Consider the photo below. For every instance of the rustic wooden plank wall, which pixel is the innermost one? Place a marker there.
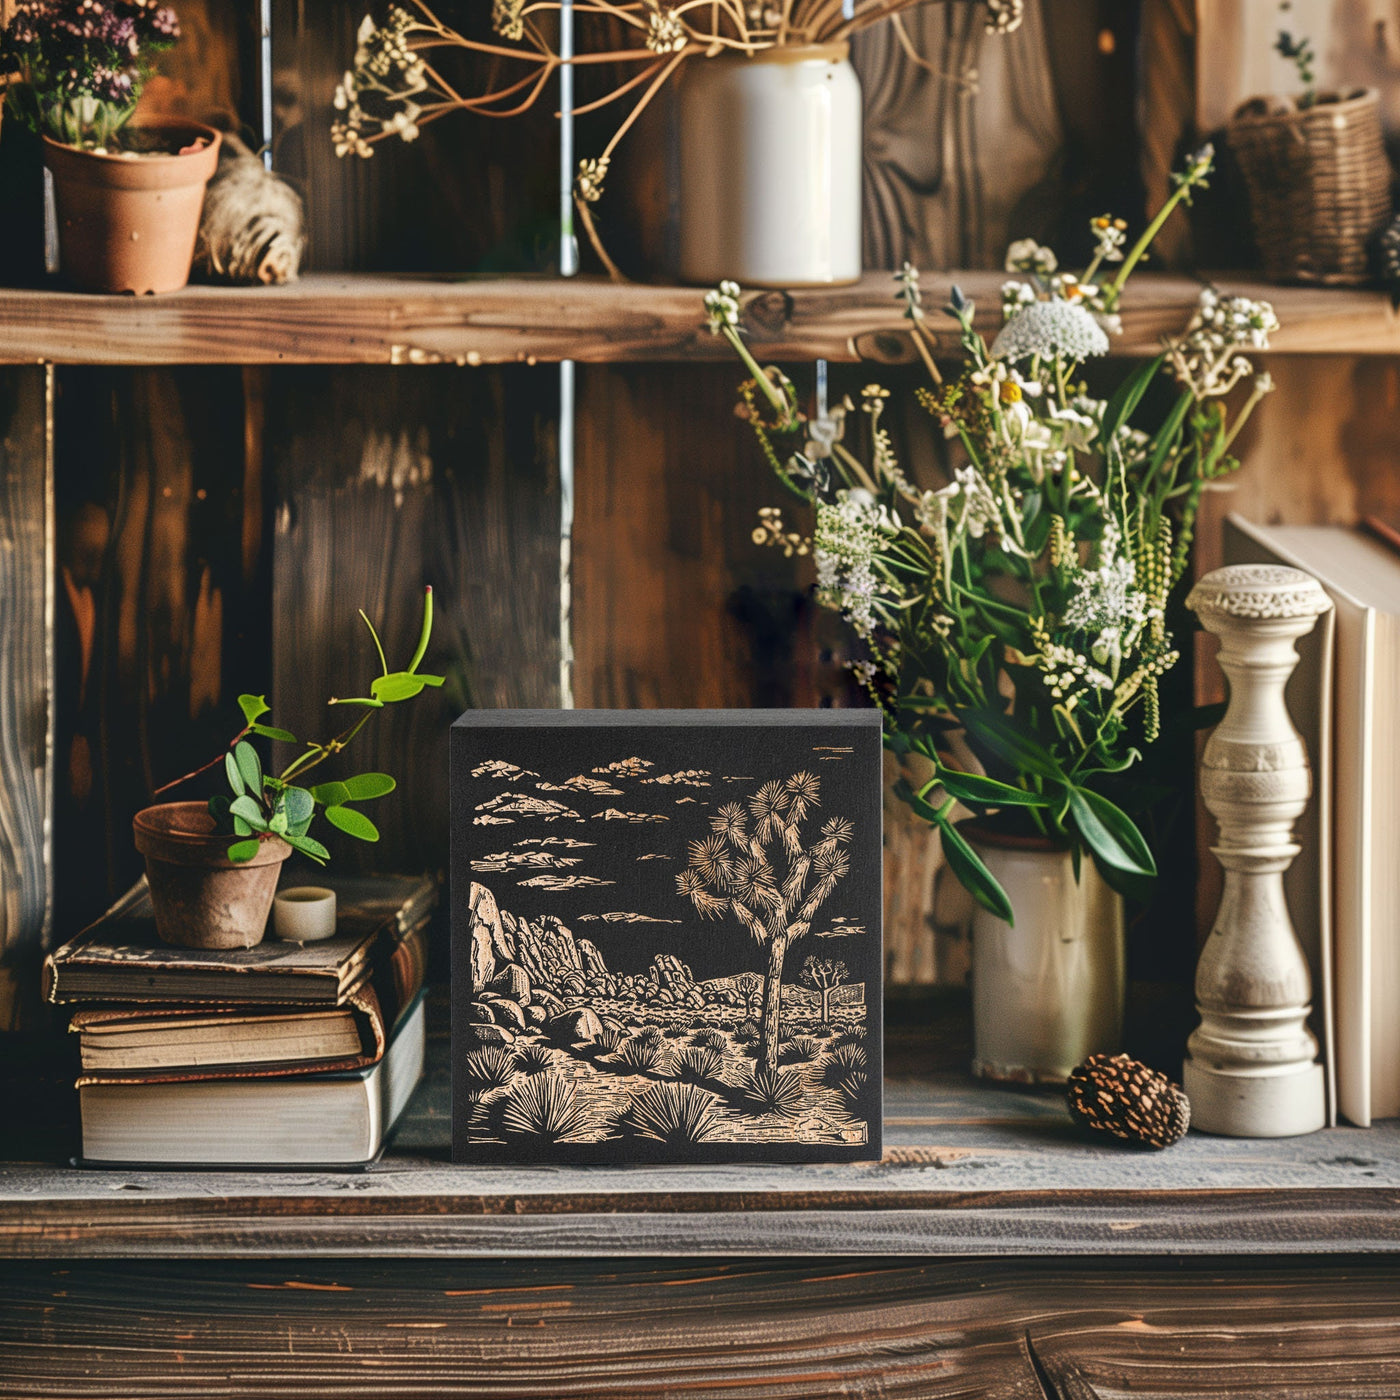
(995, 1329)
(387, 480)
(26, 684)
(163, 572)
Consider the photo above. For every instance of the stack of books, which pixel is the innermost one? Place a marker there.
(286, 1054)
(1344, 887)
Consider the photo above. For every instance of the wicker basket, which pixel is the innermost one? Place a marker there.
(1319, 184)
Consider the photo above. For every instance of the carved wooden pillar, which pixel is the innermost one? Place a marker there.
(1252, 1066)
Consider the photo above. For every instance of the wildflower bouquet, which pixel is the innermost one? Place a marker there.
(80, 64)
(1015, 617)
(395, 87)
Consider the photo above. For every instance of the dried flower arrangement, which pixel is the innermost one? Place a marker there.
(394, 89)
(80, 65)
(1015, 618)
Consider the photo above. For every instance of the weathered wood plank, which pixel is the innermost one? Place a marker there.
(387, 482)
(922, 1332)
(26, 686)
(163, 569)
(969, 1169)
(374, 319)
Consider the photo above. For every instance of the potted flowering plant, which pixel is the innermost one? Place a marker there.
(128, 195)
(212, 866)
(1014, 618)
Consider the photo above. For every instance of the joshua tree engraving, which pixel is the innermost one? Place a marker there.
(824, 975)
(754, 865)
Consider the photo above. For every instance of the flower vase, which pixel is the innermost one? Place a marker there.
(1047, 991)
(770, 168)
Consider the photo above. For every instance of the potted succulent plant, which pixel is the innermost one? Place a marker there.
(1315, 166)
(212, 866)
(128, 194)
(1014, 617)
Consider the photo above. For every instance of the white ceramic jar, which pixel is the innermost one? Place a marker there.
(770, 168)
(1048, 991)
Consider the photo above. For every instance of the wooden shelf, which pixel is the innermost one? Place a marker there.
(374, 319)
(968, 1170)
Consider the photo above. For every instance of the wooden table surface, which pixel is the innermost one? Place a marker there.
(994, 1252)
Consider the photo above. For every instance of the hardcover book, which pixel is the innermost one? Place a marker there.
(120, 959)
(666, 935)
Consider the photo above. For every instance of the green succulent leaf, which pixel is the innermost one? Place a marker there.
(309, 847)
(363, 787)
(249, 765)
(266, 731)
(278, 825)
(245, 808)
(235, 778)
(398, 685)
(241, 828)
(218, 808)
(352, 823)
(1109, 833)
(253, 707)
(330, 794)
(298, 804)
(242, 851)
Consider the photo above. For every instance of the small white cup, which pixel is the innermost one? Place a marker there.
(304, 914)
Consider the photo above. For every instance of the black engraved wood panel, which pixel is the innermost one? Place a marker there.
(666, 935)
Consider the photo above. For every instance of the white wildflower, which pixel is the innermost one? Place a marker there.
(1109, 236)
(1015, 295)
(1209, 358)
(1048, 329)
(1026, 255)
(722, 307)
(1005, 16)
(849, 536)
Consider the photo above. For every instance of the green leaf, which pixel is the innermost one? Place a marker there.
(249, 765)
(249, 810)
(378, 645)
(425, 632)
(973, 787)
(298, 828)
(253, 706)
(218, 809)
(241, 828)
(1123, 404)
(973, 875)
(365, 786)
(242, 851)
(1004, 739)
(235, 778)
(1109, 833)
(309, 847)
(359, 700)
(266, 731)
(331, 794)
(352, 823)
(278, 824)
(401, 685)
(298, 804)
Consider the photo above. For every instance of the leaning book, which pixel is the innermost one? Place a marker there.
(320, 1120)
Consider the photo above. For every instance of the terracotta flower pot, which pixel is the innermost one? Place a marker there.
(201, 898)
(127, 223)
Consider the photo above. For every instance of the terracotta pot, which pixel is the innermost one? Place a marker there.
(201, 898)
(1047, 992)
(128, 223)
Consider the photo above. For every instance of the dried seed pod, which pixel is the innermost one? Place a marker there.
(1118, 1095)
(251, 229)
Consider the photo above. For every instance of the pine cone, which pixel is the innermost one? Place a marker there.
(1113, 1094)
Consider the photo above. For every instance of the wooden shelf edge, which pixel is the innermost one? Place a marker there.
(1190, 1223)
(393, 320)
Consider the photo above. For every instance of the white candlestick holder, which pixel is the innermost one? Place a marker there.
(1252, 1067)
